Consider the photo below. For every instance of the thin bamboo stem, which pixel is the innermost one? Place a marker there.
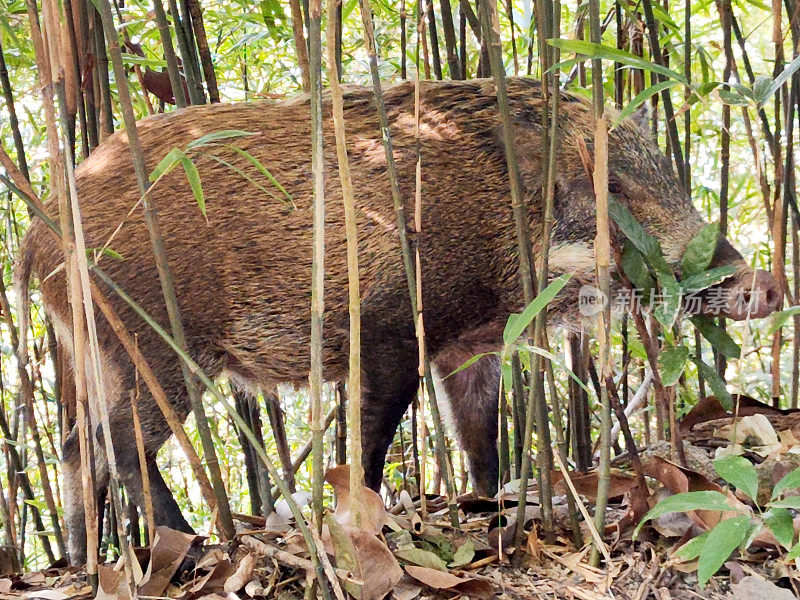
(354, 293)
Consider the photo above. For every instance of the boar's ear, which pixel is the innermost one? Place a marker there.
(641, 116)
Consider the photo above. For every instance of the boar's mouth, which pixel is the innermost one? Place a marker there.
(747, 294)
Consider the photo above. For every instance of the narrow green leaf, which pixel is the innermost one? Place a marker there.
(215, 136)
(779, 319)
(193, 175)
(469, 362)
(781, 79)
(666, 311)
(517, 323)
(641, 98)
(167, 164)
(739, 472)
(257, 164)
(557, 361)
(732, 98)
(780, 523)
(718, 337)
(715, 383)
(700, 251)
(706, 500)
(790, 481)
(593, 50)
(721, 542)
(671, 363)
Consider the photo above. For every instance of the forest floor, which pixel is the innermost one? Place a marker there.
(411, 551)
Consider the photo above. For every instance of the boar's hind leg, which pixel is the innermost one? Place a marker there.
(470, 397)
(74, 513)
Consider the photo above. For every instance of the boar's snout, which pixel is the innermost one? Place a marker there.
(754, 294)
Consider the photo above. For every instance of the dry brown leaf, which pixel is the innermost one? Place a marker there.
(678, 480)
(111, 584)
(365, 556)
(373, 515)
(586, 483)
(439, 580)
(756, 588)
(709, 409)
(406, 589)
(169, 549)
(242, 575)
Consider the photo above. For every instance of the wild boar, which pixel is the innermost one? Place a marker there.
(242, 275)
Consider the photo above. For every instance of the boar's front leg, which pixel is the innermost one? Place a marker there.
(390, 385)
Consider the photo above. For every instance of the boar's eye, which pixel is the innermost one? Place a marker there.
(614, 186)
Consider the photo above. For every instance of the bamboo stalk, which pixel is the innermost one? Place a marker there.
(193, 85)
(139, 436)
(354, 293)
(315, 376)
(13, 122)
(434, 35)
(165, 276)
(169, 55)
(300, 43)
(391, 170)
(669, 113)
(26, 394)
(206, 61)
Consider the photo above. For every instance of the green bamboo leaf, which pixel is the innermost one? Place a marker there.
(193, 175)
(592, 50)
(648, 245)
(257, 164)
(671, 363)
(556, 361)
(779, 319)
(715, 383)
(733, 98)
(740, 473)
(469, 362)
(517, 323)
(780, 80)
(790, 481)
(700, 251)
(641, 98)
(167, 163)
(215, 136)
(781, 524)
(717, 336)
(721, 542)
(686, 501)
